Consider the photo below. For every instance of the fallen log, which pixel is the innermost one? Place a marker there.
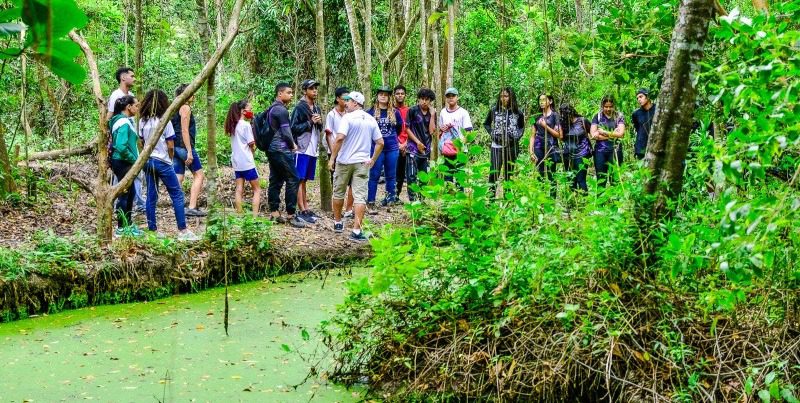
(64, 152)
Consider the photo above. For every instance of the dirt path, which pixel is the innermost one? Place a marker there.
(66, 209)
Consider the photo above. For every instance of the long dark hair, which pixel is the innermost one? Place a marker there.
(234, 114)
(122, 103)
(154, 104)
(568, 113)
(512, 100)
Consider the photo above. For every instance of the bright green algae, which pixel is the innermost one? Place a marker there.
(175, 349)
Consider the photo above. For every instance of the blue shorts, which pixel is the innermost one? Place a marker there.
(179, 162)
(306, 166)
(248, 175)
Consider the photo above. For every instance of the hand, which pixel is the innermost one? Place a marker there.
(541, 122)
(403, 147)
(331, 165)
(316, 118)
(421, 147)
(369, 163)
(533, 156)
(189, 157)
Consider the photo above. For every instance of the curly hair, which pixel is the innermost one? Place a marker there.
(154, 104)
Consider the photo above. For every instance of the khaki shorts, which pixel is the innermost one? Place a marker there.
(355, 175)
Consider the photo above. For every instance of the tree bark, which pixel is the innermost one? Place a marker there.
(358, 49)
(451, 42)
(104, 193)
(437, 77)
(325, 185)
(423, 42)
(672, 124)
(390, 56)
(579, 15)
(7, 184)
(64, 152)
(138, 53)
(204, 27)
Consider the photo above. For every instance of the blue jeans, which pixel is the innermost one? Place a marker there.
(157, 170)
(137, 186)
(387, 161)
(602, 159)
(576, 166)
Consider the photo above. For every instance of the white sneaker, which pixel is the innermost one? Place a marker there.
(188, 236)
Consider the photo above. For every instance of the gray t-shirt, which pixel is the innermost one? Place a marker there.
(360, 129)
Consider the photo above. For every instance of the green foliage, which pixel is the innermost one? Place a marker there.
(243, 234)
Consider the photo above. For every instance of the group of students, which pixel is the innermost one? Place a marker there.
(390, 140)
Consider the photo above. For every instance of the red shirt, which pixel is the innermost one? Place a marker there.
(403, 136)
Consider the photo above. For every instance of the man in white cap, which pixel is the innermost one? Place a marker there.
(352, 160)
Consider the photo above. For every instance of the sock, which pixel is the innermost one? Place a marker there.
(356, 231)
(337, 222)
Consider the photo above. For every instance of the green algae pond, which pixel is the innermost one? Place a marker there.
(176, 350)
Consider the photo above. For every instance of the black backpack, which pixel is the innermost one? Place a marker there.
(263, 130)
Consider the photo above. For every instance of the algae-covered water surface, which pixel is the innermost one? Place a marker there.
(176, 350)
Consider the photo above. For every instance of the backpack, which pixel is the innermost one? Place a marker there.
(263, 130)
(446, 145)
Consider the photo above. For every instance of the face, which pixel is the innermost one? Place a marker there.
(505, 98)
(127, 78)
(341, 102)
(544, 101)
(642, 99)
(424, 103)
(312, 92)
(286, 95)
(452, 100)
(350, 105)
(608, 108)
(133, 109)
(400, 97)
(383, 98)
(249, 107)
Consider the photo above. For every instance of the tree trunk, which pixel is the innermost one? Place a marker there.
(423, 42)
(325, 185)
(138, 53)
(367, 84)
(204, 27)
(761, 5)
(579, 15)
(7, 184)
(358, 49)
(437, 78)
(672, 124)
(451, 42)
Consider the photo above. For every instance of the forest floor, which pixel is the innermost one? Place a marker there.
(61, 206)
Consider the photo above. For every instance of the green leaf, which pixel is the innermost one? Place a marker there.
(10, 28)
(305, 335)
(764, 395)
(286, 348)
(787, 395)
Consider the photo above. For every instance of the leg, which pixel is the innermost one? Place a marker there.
(359, 184)
(167, 175)
(152, 195)
(390, 169)
(374, 176)
(341, 179)
(401, 172)
(137, 186)
(292, 184)
(125, 200)
(275, 183)
(350, 201)
(411, 175)
(256, 196)
(601, 167)
(580, 178)
(495, 159)
(239, 192)
(197, 186)
(301, 196)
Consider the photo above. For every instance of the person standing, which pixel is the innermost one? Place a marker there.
(306, 128)
(358, 136)
(452, 120)
(390, 123)
(608, 127)
(332, 122)
(505, 123)
(125, 151)
(159, 165)
(577, 148)
(243, 147)
(186, 152)
(281, 159)
(421, 126)
(543, 146)
(642, 120)
(399, 94)
(126, 78)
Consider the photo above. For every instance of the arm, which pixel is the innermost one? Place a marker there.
(378, 149)
(186, 112)
(284, 130)
(596, 133)
(171, 148)
(337, 145)
(300, 122)
(121, 143)
(619, 131)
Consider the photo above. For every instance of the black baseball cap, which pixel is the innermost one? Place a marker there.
(310, 83)
(384, 88)
(339, 92)
(644, 91)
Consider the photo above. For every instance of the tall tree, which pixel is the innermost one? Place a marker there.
(7, 184)
(138, 53)
(579, 15)
(450, 33)
(361, 50)
(389, 55)
(423, 42)
(325, 185)
(672, 124)
(204, 27)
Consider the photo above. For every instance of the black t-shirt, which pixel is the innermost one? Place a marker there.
(419, 123)
(642, 122)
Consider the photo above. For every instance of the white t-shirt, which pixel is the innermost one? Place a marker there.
(459, 118)
(332, 122)
(241, 155)
(313, 145)
(161, 153)
(360, 129)
(112, 99)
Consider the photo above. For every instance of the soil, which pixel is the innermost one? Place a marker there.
(61, 206)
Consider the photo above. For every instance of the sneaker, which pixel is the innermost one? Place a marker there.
(311, 213)
(187, 235)
(120, 231)
(372, 209)
(348, 214)
(193, 212)
(139, 209)
(338, 227)
(360, 237)
(297, 222)
(278, 219)
(305, 217)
